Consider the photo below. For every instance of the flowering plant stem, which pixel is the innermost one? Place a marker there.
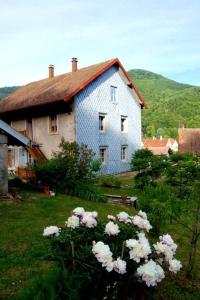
(123, 247)
(73, 253)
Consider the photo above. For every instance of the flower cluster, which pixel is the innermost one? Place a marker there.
(140, 220)
(82, 217)
(140, 251)
(104, 255)
(51, 231)
(166, 247)
(139, 248)
(151, 273)
(112, 229)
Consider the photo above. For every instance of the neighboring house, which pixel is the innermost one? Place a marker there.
(189, 140)
(98, 106)
(160, 146)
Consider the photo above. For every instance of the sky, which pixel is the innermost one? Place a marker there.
(161, 36)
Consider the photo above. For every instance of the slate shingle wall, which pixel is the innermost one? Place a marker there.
(95, 99)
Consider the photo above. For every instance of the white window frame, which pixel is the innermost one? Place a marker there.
(124, 153)
(113, 93)
(50, 125)
(103, 158)
(124, 124)
(102, 122)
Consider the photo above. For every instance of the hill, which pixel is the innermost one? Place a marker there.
(5, 91)
(170, 104)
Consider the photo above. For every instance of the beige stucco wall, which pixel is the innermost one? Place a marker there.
(19, 125)
(49, 141)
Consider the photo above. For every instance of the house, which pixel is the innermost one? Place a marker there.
(8, 136)
(160, 146)
(98, 105)
(189, 140)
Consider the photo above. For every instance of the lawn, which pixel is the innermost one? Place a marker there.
(22, 247)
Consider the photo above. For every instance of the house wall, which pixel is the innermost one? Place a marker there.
(51, 141)
(95, 99)
(40, 130)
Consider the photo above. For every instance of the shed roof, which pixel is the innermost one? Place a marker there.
(60, 88)
(14, 137)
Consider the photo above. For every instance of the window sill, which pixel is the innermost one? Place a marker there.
(53, 133)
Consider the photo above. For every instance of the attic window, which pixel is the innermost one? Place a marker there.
(113, 91)
(53, 124)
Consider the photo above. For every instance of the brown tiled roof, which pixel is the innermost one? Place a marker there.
(189, 140)
(156, 142)
(61, 87)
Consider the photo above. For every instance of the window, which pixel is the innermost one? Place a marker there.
(124, 153)
(124, 124)
(103, 155)
(102, 122)
(22, 157)
(53, 124)
(113, 90)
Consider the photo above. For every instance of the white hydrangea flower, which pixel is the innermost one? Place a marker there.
(72, 222)
(120, 266)
(95, 214)
(103, 255)
(163, 249)
(131, 243)
(151, 273)
(142, 214)
(166, 239)
(139, 248)
(111, 218)
(88, 220)
(141, 223)
(51, 230)
(166, 247)
(112, 229)
(78, 211)
(101, 251)
(174, 265)
(108, 264)
(123, 216)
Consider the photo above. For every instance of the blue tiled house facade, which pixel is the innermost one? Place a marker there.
(109, 100)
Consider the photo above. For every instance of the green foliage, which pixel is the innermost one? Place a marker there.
(170, 104)
(149, 166)
(73, 163)
(110, 181)
(158, 203)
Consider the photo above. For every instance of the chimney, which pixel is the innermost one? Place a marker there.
(74, 64)
(51, 71)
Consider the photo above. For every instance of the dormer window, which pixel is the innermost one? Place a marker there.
(113, 92)
(53, 123)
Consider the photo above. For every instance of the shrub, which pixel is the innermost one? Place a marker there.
(109, 181)
(150, 167)
(71, 164)
(107, 260)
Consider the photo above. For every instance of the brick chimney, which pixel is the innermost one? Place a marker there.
(74, 64)
(51, 71)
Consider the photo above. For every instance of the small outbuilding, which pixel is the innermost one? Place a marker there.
(8, 137)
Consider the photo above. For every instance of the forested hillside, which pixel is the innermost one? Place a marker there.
(170, 104)
(5, 91)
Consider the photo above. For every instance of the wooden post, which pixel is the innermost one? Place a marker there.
(3, 165)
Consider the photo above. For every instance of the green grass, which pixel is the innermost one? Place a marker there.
(22, 246)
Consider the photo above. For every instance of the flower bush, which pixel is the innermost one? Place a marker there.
(113, 259)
